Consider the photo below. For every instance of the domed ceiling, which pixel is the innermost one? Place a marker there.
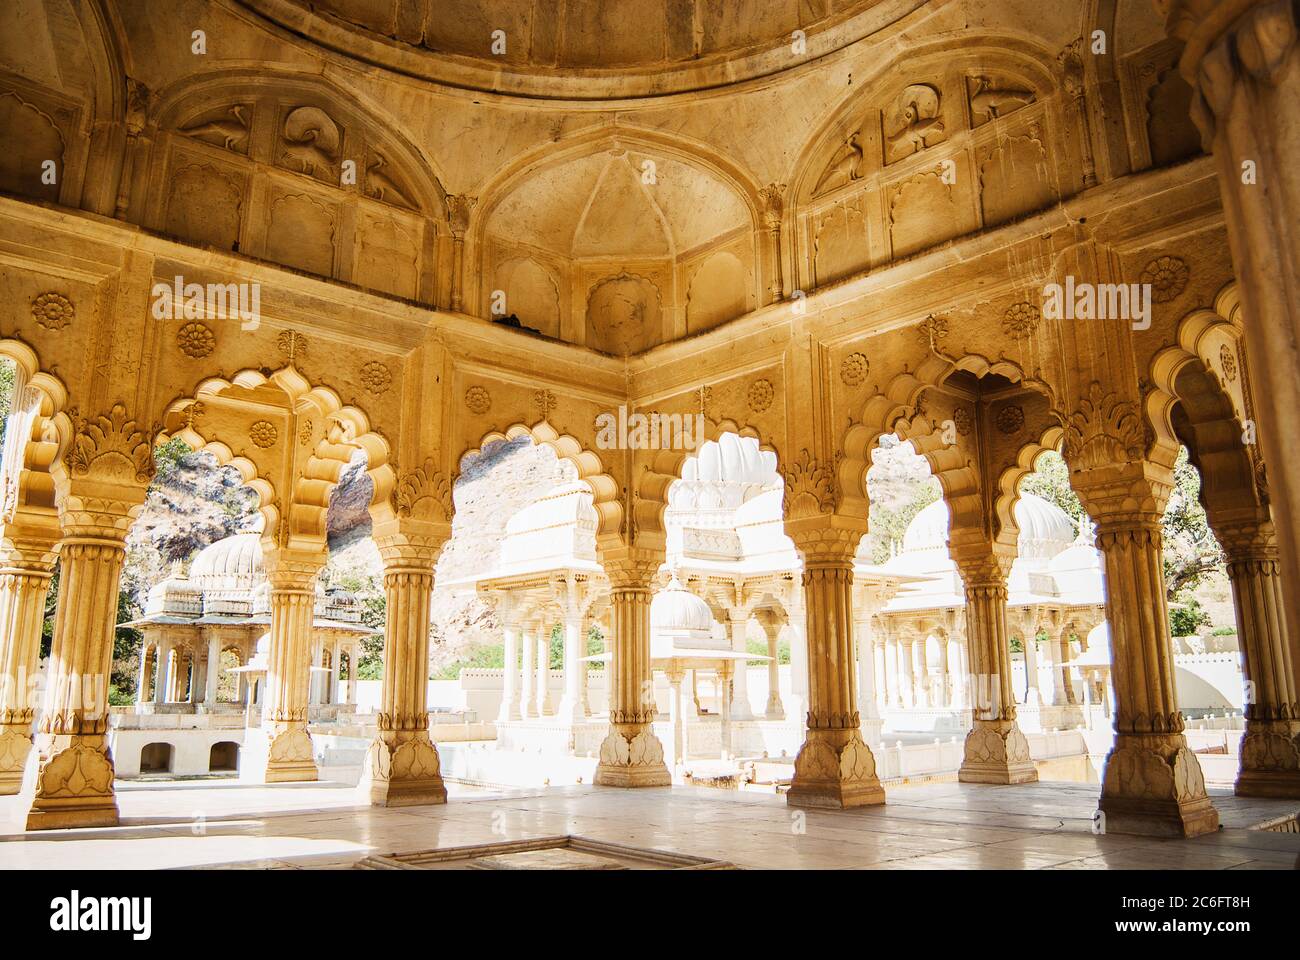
(654, 46)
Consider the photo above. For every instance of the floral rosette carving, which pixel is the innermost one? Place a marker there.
(376, 377)
(478, 400)
(196, 340)
(759, 397)
(854, 369)
(53, 311)
(1021, 319)
(1167, 276)
(263, 433)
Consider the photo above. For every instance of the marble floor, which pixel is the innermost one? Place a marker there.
(945, 826)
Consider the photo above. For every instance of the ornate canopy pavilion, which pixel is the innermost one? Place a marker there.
(284, 231)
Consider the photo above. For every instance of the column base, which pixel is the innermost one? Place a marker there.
(835, 770)
(1153, 786)
(996, 751)
(774, 710)
(632, 757)
(15, 748)
(1270, 762)
(278, 756)
(403, 774)
(74, 787)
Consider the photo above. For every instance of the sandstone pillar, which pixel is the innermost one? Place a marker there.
(1270, 749)
(214, 668)
(675, 714)
(74, 784)
(402, 766)
(631, 755)
(996, 751)
(835, 767)
(1243, 62)
(26, 566)
(287, 753)
(163, 673)
(146, 673)
(1152, 783)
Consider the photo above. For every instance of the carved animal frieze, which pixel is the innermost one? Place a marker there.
(311, 141)
(228, 129)
(845, 165)
(912, 122)
(991, 99)
(382, 185)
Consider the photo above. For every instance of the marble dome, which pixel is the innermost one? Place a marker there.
(238, 557)
(731, 459)
(1045, 529)
(674, 609)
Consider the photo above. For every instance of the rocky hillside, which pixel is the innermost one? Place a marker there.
(503, 479)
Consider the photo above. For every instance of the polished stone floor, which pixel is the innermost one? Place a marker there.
(945, 826)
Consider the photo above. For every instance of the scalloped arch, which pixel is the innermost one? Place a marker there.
(591, 469)
(349, 430)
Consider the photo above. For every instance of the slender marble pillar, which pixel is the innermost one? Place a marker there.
(570, 708)
(542, 682)
(775, 709)
(738, 629)
(510, 678)
(528, 642)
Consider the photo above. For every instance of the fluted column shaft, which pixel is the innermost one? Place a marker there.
(1270, 749)
(289, 754)
(631, 755)
(835, 767)
(996, 750)
(1152, 782)
(74, 785)
(24, 583)
(402, 766)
